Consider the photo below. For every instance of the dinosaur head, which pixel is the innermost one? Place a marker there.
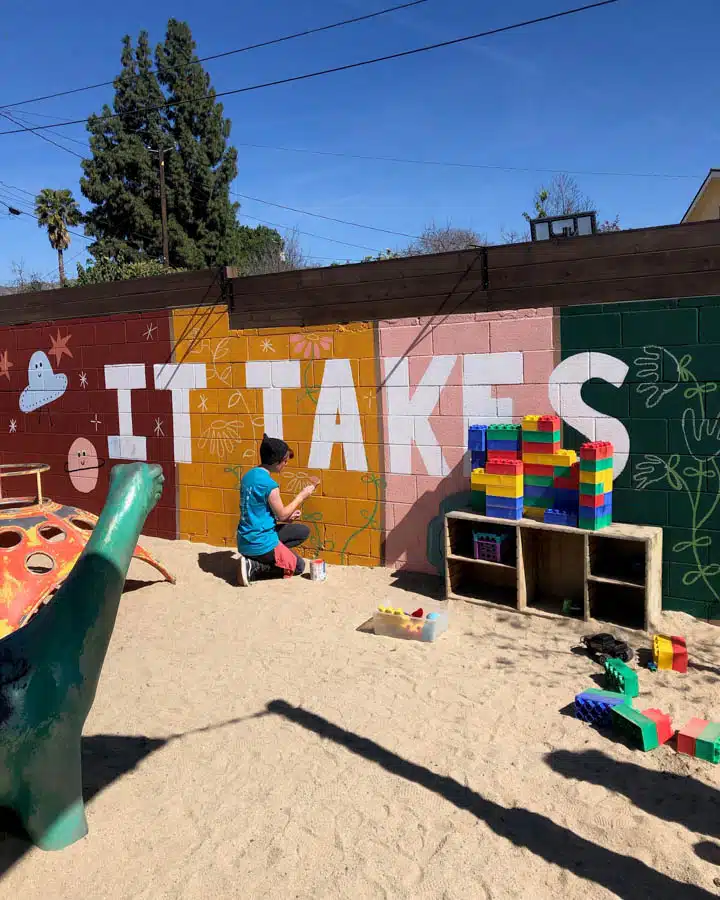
(137, 483)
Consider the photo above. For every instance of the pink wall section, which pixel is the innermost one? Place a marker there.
(413, 498)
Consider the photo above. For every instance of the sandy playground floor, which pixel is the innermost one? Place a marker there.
(254, 744)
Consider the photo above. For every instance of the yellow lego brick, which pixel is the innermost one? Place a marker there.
(502, 480)
(530, 423)
(530, 512)
(561, 458)
(496, 490)
(604, 477)
(477, 477)
(662, 651)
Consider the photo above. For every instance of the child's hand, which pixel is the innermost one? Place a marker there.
(294, 516)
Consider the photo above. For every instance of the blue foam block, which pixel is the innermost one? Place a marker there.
(478, 459)
(504, 514)
(538, 490)
(595, 709)
(504, 502)
(566, 499)
(502, 445)
(477, 436)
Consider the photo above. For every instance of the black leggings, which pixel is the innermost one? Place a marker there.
(292, 534)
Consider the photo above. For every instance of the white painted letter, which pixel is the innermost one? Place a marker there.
(565, 392)
(337, 400)
(272, 377)
(180, 379)
(407, 418)
(124, 379)
(480, 372)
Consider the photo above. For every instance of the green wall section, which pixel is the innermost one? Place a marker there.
(670, 405)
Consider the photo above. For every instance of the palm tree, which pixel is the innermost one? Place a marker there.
(57, 211)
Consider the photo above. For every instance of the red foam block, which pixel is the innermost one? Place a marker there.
(495, 455)
(537, 469)
(549, 423)
(593, 500)
(596, 450)
(537, 447)
(688, 735)
(680, 654)
(505, 466)
(567, 484)
(664, 726)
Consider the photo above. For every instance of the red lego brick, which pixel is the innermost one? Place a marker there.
(665, 729)
(593, 500)
(537, 469)
(504, 466)
(495, 455)
(567, 484)
(549, 423)
(539, 447)
(680, 654)
(596, 450)
(688, 734)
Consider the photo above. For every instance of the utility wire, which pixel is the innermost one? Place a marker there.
(310, 234)
(334, 69)
(305, 212)
(280, 40)
(43, 137)
(461, 165)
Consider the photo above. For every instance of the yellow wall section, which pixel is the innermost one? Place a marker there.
(345, 514)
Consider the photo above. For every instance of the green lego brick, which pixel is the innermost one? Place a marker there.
(503, 432)
(541, 437)
(593, 489)
(594, 524)
(707, 745)
(635, 726)
(595, 465)
(477, 501)
(621, 678)
(538, 502)
(539, 480)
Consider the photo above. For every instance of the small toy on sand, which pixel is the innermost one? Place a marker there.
(670, 653)
(395, 622)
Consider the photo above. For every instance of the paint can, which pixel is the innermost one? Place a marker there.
(318, 570)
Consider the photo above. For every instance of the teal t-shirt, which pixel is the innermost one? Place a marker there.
(256, 532)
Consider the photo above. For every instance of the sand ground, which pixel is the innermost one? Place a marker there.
(252, 743)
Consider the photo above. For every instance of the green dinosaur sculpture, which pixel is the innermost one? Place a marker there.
(50, 668)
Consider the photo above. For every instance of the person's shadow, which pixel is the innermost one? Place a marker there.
(222, 564)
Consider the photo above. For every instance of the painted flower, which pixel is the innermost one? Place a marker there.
(310, 345)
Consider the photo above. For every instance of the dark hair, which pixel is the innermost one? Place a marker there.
(273, 451)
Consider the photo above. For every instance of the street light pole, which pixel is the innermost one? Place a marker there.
(163, 209)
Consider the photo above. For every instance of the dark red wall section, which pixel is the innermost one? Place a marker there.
(80, 349)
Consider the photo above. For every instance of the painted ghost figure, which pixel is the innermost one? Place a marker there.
(44, 385)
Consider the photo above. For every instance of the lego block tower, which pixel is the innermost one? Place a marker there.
(477, 445)
(596, 480)
(502, 482)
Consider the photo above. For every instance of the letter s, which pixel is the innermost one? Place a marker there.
(565, 394)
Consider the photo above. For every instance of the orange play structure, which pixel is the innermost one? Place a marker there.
(40, 542)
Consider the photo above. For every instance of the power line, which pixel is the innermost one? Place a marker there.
(43, 137)
(305, 212)
(460, 165)
(310, 234)
(280, 40)
(335, 69)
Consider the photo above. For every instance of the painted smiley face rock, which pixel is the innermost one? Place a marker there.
(83, 465)
(44, 385)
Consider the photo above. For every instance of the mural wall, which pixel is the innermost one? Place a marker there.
(379, 412)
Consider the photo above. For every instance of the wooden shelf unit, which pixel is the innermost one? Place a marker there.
(613, 575)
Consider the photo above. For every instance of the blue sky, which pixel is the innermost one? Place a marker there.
(630, 87)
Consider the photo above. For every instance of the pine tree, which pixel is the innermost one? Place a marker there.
(200, 165)
(121, 179)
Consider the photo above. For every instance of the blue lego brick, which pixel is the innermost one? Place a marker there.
(502, 445)
(596, 707)
(535, 490)
(504, 502)
(478, 459)
(560, 517)
(477, 437)
(566, 499)
(504, 514)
